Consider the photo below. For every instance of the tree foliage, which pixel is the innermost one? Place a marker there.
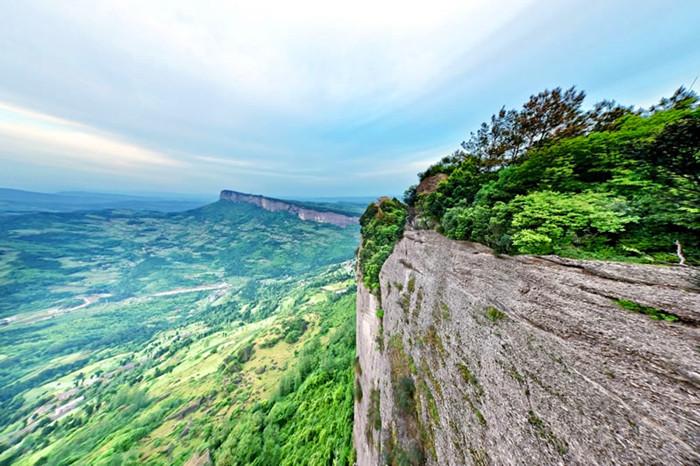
(608, 183)
(548, 116)
(309, 420)
(382, 226)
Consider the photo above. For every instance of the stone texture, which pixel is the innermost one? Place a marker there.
(528, 360)
(430, 184)
(277, 205)
(368, 368)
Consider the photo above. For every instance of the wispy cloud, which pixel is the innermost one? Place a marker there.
(52, 141)
(291, 54)
(404, 166)
(313, 96)
(240, 166)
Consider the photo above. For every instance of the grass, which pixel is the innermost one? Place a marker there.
(431, 405)
(476, 411)
(433, 340)
(411, 284)
(494, 315)
(469, 377)
(652, 312)
(375, 415)
(545, 433)
(444, 311)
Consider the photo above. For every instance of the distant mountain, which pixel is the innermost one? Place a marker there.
(19, 201)
(195, 337)
(317, 212)
(353, 204)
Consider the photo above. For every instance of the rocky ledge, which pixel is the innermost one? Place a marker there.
(278, 205)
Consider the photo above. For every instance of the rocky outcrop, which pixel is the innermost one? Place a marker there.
(278, 205)
(430, 183)
(474, 358)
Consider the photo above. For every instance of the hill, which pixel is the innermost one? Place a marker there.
(133, 337)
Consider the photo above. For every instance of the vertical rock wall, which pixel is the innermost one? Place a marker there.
(277, 205)
(368, 370)
(480, 359)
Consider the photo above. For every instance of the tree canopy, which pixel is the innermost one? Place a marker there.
(609, 182)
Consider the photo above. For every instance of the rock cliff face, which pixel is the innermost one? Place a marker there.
(277, 205)
(480, 359)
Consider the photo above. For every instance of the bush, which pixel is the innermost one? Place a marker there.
(544, 222)
(405, 391)
(382, 226)
(309, 421)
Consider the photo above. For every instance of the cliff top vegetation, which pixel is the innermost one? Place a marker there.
(610, 183)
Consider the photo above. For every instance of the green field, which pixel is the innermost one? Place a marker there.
(150, 338)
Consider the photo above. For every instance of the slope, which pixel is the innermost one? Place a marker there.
(131, 337)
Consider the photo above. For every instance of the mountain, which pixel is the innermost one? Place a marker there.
(536, 299)
(141, 337)
(315, 212)
(17, 201)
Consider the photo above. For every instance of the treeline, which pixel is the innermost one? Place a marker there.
(608, 183)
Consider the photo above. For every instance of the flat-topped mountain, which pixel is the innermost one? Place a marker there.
(314, 213)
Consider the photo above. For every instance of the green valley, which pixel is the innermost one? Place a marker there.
(137, 337)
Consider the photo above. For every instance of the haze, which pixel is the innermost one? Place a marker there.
(309, 98)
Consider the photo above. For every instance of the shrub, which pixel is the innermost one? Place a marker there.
(494, 315)
(382, 226)
(544, 222)
(405, 390)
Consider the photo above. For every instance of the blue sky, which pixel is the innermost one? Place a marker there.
(303, 98)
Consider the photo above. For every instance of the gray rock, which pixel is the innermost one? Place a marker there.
(294, 208)
(526, 360)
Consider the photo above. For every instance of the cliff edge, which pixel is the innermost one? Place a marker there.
(301, 211)
(467, 357)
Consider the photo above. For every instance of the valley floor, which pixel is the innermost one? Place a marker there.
(147, 338)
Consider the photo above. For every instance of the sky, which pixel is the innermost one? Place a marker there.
(304, 98)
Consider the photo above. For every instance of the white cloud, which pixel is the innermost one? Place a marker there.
(342, 95)
(50, 141)
(290, 55)
(405, 166)
(239, 166)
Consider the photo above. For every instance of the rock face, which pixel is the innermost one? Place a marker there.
(480, 359)
(277, 205)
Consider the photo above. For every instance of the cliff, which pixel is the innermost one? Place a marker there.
(473, 358)
(301, 211)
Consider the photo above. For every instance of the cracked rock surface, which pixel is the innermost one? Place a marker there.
(486, 359)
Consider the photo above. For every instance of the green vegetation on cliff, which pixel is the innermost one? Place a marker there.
(610, 183)
(309, 419)
(381, 226)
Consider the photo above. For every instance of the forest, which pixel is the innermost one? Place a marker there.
(610, 183)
